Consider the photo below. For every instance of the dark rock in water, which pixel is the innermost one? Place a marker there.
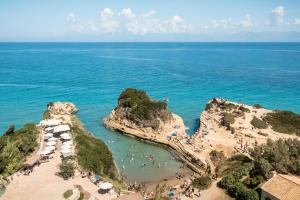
(10, 130)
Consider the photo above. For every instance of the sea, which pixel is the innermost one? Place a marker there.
(92, 75)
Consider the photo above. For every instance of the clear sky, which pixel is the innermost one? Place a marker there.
(149, 20)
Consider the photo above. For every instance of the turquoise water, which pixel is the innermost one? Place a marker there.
(93, 74)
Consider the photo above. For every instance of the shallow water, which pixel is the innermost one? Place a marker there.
(92, 75)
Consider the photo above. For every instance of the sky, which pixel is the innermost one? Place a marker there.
(149, 20)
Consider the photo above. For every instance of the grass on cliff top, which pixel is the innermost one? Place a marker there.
(284, 122)
(93, 154)
(258, 123)
(15, 147)
(140, 107)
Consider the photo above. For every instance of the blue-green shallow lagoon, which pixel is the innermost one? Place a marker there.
(92, 75)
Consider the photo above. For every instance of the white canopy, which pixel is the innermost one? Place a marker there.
(50, 122)
(65, 151)
(66, 147)
(105, 186)
(61, 128)
(48, 135)
(49, 129)
(70, 142)
(65, 134)
(52, 139)
(67, 137)
(51, 143)
(50, 148)
(45, 152)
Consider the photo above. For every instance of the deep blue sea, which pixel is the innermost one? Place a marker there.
(92, 75)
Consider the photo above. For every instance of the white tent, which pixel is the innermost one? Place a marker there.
(52, 139)
(49, 129)
(66, 147)
(48, 135)
(45, 152)
(105, 186)
(61, 128)
(64, 151)
(50, 122)
(70, 142)
(51, 143)
(67, 137)
(50, 148)
(65, 134)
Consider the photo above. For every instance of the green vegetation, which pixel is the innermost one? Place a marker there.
(67, 169)
(244, 176)
(284, 122)
(216, 157)
(237, 167)
(46, 114)
(137, 106)
(68, 193)
(93, 155)
(258, 123)
(244, 109)
(281, 155)
(227, 119)
(15, 147)
(202, 182)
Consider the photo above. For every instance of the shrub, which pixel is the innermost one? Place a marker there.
(15, 147)
(68, 193)
(280, 155)
(67, 169)
(253, 182)
(46, 114)
(93, 154)
(227, 119)
(284, 122)
(202, 182)
(258, 123)
(244, 109)
(216, 156)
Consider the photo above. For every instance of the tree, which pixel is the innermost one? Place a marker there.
(67, 169)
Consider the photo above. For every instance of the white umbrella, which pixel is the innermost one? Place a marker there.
(66, 147)
(70, 142)
(65, 151)
(48, 135)
(45, 152)
(65, 134)
(67, 137)
(51, 143)
(52, 139)
(105, 186)
(49, 129)
(50, 148)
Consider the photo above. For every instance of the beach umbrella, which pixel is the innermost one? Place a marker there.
(49, 129)
(52, 139)
(65, 151)
(50, 148)
(48, 135)
(45, 152)
(67, 137)
(51, 143)
(105, 186)
(66, 147)
(70, 142)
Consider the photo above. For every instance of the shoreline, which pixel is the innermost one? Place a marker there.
(183, 155)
